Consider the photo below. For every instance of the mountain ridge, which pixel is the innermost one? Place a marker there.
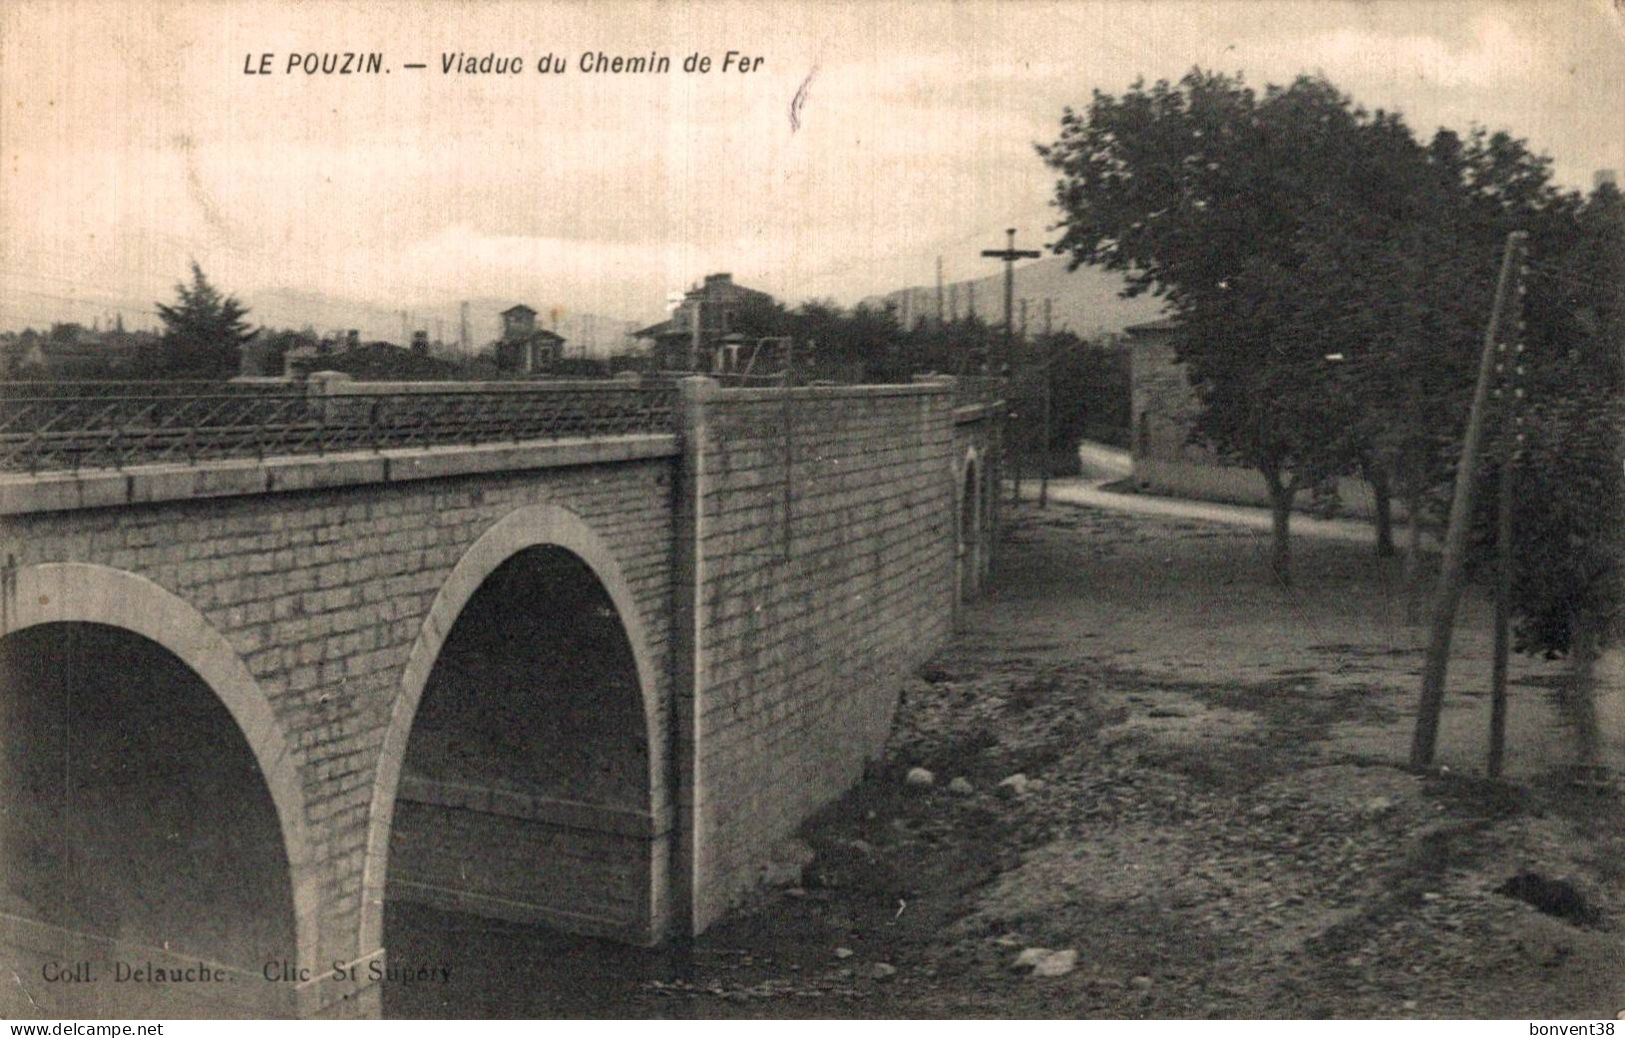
(1086, 301)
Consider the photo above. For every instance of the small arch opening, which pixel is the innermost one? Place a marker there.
(136, 818)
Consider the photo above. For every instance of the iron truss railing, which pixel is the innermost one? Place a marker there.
(68, 426)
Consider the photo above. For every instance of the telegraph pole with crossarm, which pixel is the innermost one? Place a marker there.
(1009, 254)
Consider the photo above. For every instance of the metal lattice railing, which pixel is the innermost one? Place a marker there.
(68, 426)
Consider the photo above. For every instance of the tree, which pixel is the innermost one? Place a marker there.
(1090, 386)
(760, 317)
(1244, 212)
(1559, 441)
(203, 330)
(832, 342)
(1407, 324)
(1568, 575)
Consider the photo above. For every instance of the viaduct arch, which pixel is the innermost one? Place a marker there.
(526, 528)
(32, 596)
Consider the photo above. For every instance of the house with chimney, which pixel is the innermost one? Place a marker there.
(710, 312)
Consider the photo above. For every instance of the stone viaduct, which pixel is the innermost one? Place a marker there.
(582, 680)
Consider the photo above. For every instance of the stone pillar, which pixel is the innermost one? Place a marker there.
(688, 653)
(321, 387)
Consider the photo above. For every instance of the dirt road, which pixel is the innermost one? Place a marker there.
(1092, 493)
(1213, 822)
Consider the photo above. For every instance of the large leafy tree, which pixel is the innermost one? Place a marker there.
(1292, 227)
(1266, 222)
(1413, 285)
(203, 330)
(1569, 481)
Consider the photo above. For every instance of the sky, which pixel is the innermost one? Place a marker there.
(133, 141)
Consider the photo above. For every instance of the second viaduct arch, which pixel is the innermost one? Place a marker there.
(636, 836)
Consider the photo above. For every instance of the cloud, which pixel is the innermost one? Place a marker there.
(1494, 56)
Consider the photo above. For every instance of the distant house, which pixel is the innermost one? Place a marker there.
(518, 321)
(286, 354)
(264, 356)
(1165, 409)
(710, 311)
(525, 348)
(1165, 404)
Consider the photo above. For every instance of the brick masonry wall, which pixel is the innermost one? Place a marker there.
(323, 593)
(826, 539)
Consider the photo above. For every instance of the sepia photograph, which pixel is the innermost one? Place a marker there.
(787, 510)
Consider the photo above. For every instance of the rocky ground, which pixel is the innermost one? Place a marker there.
(1147, 781)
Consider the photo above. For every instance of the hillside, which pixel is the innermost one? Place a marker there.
(1087, 300)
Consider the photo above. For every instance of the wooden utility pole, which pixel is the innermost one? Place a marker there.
(1049, 388)
(1009, 254)
(1013, 363)
(1451, 568)
(1503, 621)
(939, 291)
(1509, 366)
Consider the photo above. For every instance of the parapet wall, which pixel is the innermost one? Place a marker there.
(823, 541)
